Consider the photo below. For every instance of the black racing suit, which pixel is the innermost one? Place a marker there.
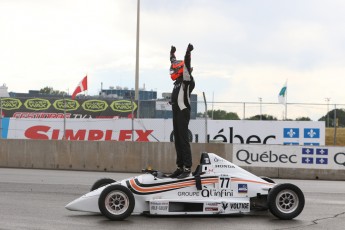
(180, 100)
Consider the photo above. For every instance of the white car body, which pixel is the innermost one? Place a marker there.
(217, 187)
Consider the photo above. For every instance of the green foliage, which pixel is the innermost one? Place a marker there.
(329, 120)
(51, 91)
(264, 117)
(222, 115)
(303, 119)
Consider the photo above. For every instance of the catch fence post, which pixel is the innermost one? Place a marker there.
(205, 117)
(335, 125)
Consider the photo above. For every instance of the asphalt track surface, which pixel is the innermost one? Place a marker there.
(35, 199)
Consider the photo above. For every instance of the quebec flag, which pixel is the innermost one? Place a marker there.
(322, 161)
(291, 132)
(311, 133)
(308, 151)
(307, 160)
(322, 152)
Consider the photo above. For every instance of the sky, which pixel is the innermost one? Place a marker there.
(243, 49)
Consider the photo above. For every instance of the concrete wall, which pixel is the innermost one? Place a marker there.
(127, 157)
(98, 156)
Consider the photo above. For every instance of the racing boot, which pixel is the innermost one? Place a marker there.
(186, 173)
(177, 172)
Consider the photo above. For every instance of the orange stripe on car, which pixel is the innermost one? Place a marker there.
(176, 185)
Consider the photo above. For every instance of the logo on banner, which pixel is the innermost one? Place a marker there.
(317, 156)
(291, 133)
(311, 133)
(10, 103)
(37, 104)
(123, 106)
(66, 104)
(95, 105)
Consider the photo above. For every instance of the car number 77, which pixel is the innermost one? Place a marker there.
(224, 182)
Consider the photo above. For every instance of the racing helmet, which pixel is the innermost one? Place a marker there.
(176, 69)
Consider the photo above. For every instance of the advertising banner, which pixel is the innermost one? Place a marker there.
(60, 108)
(161, 130)
(279, 156)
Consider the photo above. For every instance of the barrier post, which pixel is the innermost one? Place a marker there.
(0, 117)
(335, 125)
(64, 118)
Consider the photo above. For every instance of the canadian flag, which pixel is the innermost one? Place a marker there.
(82, 86)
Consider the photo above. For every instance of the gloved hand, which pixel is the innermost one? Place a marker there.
(173, 49)
(190, 47)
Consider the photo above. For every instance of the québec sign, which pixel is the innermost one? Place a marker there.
(280, 156)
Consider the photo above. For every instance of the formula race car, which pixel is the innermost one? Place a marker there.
(217, 187)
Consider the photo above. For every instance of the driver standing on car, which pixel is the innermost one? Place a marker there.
(181, 74)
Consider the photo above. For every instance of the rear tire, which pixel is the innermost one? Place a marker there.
(285, 201)
(101, 182)
(116, 202)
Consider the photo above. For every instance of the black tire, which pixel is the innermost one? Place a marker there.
(116, 202)
(285, 201)
(269, 180)
(101, 183)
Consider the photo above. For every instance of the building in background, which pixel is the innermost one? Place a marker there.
(164, 110)
(3, 91)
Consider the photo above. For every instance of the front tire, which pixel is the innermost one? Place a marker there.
(285, 201)
(116, 202)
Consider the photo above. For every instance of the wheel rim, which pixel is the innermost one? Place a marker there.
(116, 202)
(287, 201)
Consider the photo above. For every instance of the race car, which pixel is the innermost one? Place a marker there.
(217, 187)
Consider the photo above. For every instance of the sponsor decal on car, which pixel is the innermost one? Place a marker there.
(239, 206)
(211, 209)
(216, 193)
(236, 206)
(188, 193)
(159, 206)
(225, 166)
(242, 188)
(212, 204)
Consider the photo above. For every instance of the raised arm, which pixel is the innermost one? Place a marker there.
(187, 57)
(172, 54)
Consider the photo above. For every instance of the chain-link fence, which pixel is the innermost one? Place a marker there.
(276, 111)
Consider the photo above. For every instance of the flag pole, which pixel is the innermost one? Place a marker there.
(286, 101)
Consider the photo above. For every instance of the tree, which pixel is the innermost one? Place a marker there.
(329, 120)
(303, 119)
(50, 90)
(264, 117)
(222, 115)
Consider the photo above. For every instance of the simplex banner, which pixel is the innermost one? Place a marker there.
(278, 156)
(244, 132)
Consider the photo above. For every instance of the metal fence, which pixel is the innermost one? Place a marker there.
(290, 111)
